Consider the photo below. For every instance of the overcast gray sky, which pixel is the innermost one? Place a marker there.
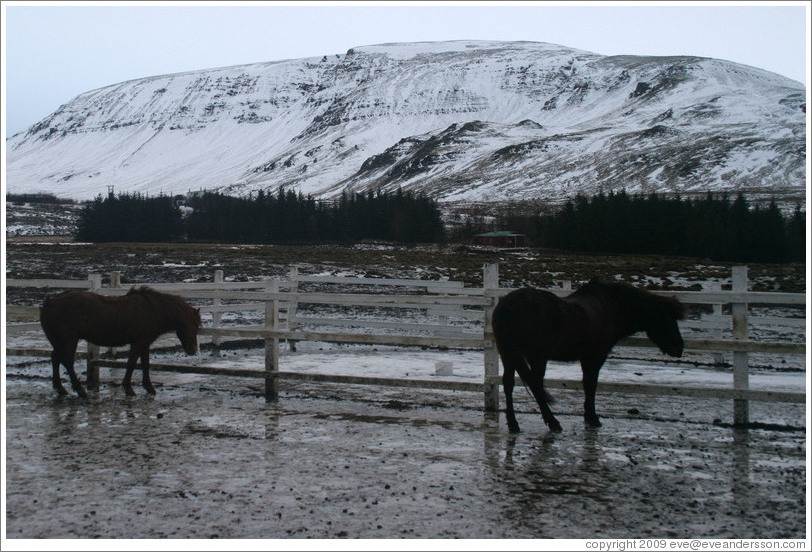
(55, 52)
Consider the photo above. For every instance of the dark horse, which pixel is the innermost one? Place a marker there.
(533, 326)
(137, 319)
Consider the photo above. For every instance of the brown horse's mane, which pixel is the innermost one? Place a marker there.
(636, 295)
(174, 306)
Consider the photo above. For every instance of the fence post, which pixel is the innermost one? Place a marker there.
(718, 357)
(216, 316)
(93, 354)
(293, 276)
(741, 376)
(490, 282)
(115, 283)
(271, 344)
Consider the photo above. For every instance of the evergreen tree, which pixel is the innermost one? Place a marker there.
(285, 217)
(130, 218)
(796, 236)
(710, 227)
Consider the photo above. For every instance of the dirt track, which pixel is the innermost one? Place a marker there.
(209, 458)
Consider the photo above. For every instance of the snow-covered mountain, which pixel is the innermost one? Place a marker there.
(463, 120)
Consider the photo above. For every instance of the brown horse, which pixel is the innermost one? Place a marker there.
(532, 327)
(137, 319)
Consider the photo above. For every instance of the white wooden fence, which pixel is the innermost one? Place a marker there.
(452, 316)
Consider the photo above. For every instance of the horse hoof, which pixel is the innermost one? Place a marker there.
(129, 392)
(555, 427)
(150, 390)
(593, 422)
(513, 428)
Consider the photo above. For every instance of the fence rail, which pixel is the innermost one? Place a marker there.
(452, 308)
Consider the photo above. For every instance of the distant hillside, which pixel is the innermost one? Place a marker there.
(463, 121)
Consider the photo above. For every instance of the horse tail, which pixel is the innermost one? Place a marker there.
(501, 322)
(45, 319)
(51, 319)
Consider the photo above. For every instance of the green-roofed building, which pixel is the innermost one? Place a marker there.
(501, 238)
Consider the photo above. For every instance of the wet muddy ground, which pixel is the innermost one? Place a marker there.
(209, 458)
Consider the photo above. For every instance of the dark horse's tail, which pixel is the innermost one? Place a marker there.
(46, 320)
(504, 335)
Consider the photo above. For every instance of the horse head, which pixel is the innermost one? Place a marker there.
(662, 327)
(187, 330)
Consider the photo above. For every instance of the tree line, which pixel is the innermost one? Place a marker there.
(130, 218)
(283, 217)
(712, 227)
(37, 197)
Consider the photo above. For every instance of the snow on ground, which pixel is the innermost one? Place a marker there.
(414, 363)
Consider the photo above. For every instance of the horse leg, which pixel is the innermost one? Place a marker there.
(132, 360)
(92, 372)
(590, 369)
(68, 359)
(508, 382)
(534, 378)
(511, 363)
(56, 360)
(145, 372)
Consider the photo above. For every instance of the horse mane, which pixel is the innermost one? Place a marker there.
(174, 307)
(635, 295)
